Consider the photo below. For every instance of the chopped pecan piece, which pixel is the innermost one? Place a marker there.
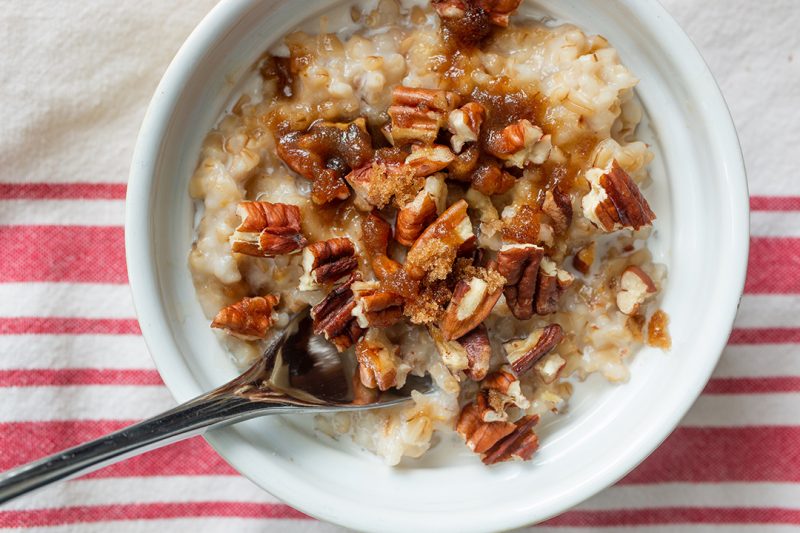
(471, 353)
(427, 160)
(324, 153)
(249, 318)
(520, 444)
(327, 262)
(473, 300)
(434, 252)
(584, 259)
(465, 125)
(501, 390)
(333, 316)
(635, 287)
(519, 264)
(470, 21)
(550, 367)
(558, 206)
(267, 229)
(553, 281)
(520, 143)
(479, 435)
(615, 201)
(378, 183)
(490, 179)
(376, 234)
(465, 163)
(523, 354)
(415, 216)
(418, 114)
(375, 307)
(378, 362)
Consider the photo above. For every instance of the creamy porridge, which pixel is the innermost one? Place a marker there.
(455, 192)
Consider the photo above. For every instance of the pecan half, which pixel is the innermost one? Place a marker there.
(465, 124)
(324, 153)
(473, 300)
(558, 206)
(249, 318)
(375, 307)
(520, 143)
(327, 262)
(635, 287)
(519, 264)
(427, 160)
(333, 316)
(553, 281)
(584, 259)
(267, 229)
(418, 114)
(523, 354)
(415, 216)
(434, 252)
(379, 365)
(615, 201)
(520, 444)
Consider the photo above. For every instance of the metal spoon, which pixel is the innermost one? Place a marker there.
(298, 373)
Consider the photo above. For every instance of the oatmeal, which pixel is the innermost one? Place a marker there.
(453, 191)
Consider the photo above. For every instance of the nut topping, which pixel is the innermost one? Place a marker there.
(427, 160)
(267, 229)
(558, 206)
(414, 217)
(502, 390)
(333, 316)
(378, 362)
(490, 179)
(552, 283)
(550, 367)
(584, 259)
(479, 435)
(519, 264)
(520, 143)
(465, 125)
(615, 201)
(520, 444)
(523, 354)
(374, 307)
(470, 21)
(324, 153)
(248, 319)
(635, 287)
(473, 300)
(471, 353)
(327, 262)
(377, 183)
(434, 252)
(418, 114)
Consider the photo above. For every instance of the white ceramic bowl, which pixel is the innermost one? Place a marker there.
(699, 194)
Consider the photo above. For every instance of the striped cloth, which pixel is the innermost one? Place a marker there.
(75, 82)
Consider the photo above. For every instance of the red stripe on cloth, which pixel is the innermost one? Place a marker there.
(764, 336)
(761, 385)
(88, 254)
(24, 442)
(676, 515)
(775, 203)
(146, 511)
(69, 326)
(716, 455)
(773, 266)
(62, 191)
(47, 377)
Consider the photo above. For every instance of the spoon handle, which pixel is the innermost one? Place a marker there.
(185, 420)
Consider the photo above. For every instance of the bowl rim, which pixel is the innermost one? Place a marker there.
(156, 329)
